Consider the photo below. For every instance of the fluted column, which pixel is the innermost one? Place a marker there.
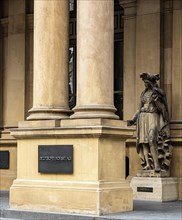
(51, 41)
(95, 47)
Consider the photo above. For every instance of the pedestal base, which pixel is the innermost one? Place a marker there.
(95, 184)
(153, 173)
(155, 189)
(96, 198)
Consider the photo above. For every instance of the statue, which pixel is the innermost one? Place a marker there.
(152, 122)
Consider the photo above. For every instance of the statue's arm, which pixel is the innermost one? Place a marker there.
(137, 113)
(134, 119)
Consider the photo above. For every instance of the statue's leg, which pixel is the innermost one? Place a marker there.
(146, 152)
(153, 150)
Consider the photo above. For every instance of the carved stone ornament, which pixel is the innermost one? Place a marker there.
(153, 134)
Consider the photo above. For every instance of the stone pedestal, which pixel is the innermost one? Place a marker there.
(153, 173)
(155, 188)
(96, 186)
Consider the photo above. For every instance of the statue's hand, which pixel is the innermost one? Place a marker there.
(130, 122)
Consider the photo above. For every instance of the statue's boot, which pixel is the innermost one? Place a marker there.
(147, 167)
(157, 168)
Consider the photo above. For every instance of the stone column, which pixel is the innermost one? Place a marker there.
(176, 104)
(129, 106)
(166, 79)
(147, 41)
(95, 47)
(51, 42)
(14, 68)
(1, 77)
(176, 62)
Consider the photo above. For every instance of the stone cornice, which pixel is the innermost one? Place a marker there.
(73, 129)
(73, 132)
(128, 3)
(129, 8)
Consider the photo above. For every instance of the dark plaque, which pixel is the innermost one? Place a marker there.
(55, 159)
(144, 189)
(4, 159)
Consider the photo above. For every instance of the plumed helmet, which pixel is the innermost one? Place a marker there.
(153, 78)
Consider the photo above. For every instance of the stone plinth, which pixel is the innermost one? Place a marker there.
(96, 186)
(155, 188)
(153, 173)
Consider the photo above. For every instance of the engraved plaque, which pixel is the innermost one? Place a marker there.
(144, 189)
(4, 159)
(55, 159)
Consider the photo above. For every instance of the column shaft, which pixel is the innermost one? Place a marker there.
(14, 65)
(51, 42)
(95, 47)
(167, 43)
(147, 41)
(176, 62)
(129, 71)
(1, 77)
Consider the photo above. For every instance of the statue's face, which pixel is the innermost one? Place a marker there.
(147, 85)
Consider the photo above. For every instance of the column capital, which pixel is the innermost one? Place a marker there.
(129, 7)
(128, 3)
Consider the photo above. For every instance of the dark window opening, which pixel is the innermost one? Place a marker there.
(118, 58)
(118, 77)
(127, 166)
(72, 55)
(29, 5)
(72, 6)
(4, 7)
(72, 76)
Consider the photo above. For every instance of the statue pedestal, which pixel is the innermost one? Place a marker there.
(153, 173)
(155, 188)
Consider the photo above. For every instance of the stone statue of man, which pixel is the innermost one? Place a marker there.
(152, 121)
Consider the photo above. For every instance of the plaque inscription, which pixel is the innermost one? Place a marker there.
(144, 189)
(55, 159)
(4, 159)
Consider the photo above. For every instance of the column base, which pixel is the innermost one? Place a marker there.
(94, 112)
(48, 113)
(95, 198)
(155, 188)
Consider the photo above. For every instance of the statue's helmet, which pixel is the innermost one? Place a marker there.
(149, 77)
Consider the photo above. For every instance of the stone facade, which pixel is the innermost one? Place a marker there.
(34, 106)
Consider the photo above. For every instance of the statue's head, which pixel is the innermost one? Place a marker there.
(150, 79)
